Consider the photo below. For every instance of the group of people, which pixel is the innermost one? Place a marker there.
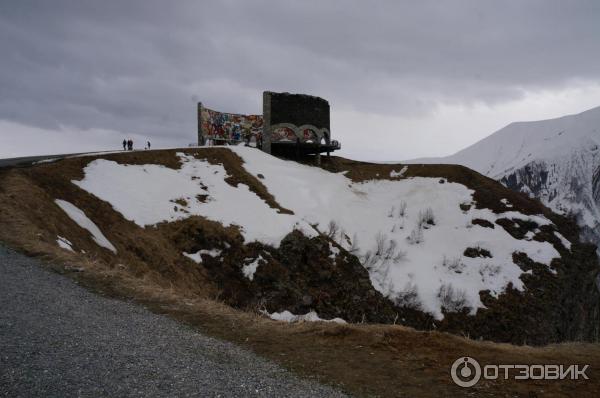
(128, 145)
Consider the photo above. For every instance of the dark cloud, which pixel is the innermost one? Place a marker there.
(139, 66)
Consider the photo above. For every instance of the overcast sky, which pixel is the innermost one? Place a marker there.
(404, 79)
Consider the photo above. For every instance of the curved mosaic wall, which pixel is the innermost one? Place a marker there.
(286, 119)
(221, 127)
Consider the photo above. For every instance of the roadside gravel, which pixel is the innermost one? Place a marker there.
(58, 339)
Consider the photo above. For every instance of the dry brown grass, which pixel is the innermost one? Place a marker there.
(382, 360)
(366, 360)
(31, 221)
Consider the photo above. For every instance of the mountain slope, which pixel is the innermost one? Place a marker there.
(428, 246)
(556, 161)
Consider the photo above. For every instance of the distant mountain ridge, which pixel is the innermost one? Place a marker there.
(554, 160)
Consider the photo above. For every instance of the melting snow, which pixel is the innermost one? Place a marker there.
(514, 215)
(565, 242)
(197, 257)
(64, 243)
(84, 222)
(395, 173)
(312, 316)
(250, 269)
(402, 253)
(334, 251)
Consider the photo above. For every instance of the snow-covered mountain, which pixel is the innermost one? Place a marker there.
(556, 161)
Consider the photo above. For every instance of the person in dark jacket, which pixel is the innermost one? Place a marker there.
(124, 145)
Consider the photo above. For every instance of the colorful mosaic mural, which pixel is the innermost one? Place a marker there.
(230, 127)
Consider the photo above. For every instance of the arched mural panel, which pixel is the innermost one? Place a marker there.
(309, 136)
(283, 134)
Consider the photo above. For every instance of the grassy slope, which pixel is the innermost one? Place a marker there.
(364, 359)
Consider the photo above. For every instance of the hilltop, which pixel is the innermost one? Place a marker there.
(226, 238)
(432, 247)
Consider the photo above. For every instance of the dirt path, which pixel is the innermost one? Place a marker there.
(59, 339)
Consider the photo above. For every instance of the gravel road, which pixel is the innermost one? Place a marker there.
(59, 340)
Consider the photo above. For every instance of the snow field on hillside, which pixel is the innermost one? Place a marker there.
(410, 234)
(146, 195)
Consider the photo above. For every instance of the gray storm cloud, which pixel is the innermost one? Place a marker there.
(138, 67)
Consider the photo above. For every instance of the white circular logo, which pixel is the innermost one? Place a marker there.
(465, 372)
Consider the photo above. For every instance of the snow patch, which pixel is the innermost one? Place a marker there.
(565, 242)
(514, 215)
(312, 316)
(249, 269)
(64, 243)
(400, 173)
(197, 257)
(334, 251)
(84, 222)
